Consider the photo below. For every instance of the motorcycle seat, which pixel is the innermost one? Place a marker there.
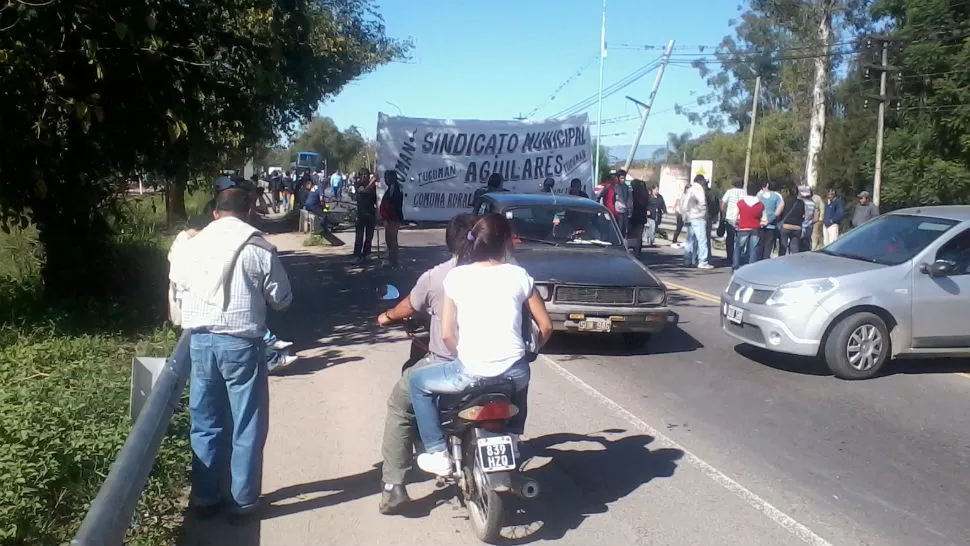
(490, 385)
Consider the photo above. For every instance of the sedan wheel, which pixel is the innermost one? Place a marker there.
(858, 346)
(864, 347)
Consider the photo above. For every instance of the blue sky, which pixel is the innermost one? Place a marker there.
(495, 59)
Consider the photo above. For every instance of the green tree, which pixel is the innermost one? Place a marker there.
(796, 48)
(95, 91)
(927, 148)
(679, 147)
(347, 150)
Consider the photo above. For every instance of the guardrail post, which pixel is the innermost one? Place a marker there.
(110, 515)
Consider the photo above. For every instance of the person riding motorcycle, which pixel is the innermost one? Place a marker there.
(426, 297)
(481, 320)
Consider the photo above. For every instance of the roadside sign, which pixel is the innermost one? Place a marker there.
(703, 167)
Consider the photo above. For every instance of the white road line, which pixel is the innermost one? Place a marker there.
(774, 514)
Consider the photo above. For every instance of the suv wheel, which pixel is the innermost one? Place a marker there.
(857, 347)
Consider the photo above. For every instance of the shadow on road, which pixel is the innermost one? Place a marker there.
(587, 473)
(338, 294)
(219, 531)
(325, 493)
(817, 367)
(787, 363)
(671, 340)
(670, 264)
(928, 366)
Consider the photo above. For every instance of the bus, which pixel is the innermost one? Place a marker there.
(306, 161)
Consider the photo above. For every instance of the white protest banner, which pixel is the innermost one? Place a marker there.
(442, 162)
(702, 167)
(673, 180)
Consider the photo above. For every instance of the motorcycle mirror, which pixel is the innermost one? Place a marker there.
(389, 292)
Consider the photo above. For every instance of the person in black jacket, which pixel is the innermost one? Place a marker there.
(790, 226)
(493, 184)
(576, 188)
(656, 208)
(366, 194)
(639, 215)
(392, 214)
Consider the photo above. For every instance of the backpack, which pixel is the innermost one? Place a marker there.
(621, 198)
(809, 219)
(713, 204)
(386, 209)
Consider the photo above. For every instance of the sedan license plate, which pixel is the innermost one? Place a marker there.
(734, 314)
(496, 453)
(595, 325)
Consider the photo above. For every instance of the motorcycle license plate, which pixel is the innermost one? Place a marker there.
(496, 453)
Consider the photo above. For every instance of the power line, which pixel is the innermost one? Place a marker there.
(617, 119)
(610, 90)
(735, 61)
(563, 85)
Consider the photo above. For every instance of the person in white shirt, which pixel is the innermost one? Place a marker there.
(228, 275)
(729, 206)
(694, 209)
(481, 322)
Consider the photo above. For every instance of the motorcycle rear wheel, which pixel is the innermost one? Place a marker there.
(486, 508)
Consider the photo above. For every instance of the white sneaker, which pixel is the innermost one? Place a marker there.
(281, 345)
(676, 245)
(705, 266)
(438, 463)
(284, 362)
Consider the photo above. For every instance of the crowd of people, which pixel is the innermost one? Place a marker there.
(758, 222)
(486, 320)
(318, 194)
(226, 276)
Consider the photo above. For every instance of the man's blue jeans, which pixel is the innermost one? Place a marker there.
(450, 378)
(701, 246)
(745, 248)
(229, 406)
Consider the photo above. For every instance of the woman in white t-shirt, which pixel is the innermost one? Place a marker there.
(481, 322)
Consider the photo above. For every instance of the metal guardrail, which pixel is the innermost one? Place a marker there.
(109, 517)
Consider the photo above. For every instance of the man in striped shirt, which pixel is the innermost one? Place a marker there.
(230, 275)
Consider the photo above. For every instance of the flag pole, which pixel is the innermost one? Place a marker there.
(599, 115)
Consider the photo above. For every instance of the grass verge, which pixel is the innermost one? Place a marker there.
(64, 385)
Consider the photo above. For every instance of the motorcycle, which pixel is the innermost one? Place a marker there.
(484, 454)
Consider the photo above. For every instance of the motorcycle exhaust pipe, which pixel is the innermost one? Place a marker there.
(523, 487)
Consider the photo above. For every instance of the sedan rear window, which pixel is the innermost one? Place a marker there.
(559, 225)
(891, 239)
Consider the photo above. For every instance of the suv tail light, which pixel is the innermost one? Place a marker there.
(491, 411)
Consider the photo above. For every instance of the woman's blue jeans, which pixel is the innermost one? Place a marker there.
(427, 383)
(745, 248)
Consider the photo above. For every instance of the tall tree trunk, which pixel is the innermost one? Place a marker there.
(816, 131)
(175, 198)
(75, 238)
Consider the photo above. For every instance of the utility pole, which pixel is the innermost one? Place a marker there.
(599, 115)
(883, 97)
(754, 117)
(520, 117)
(646, 107)
(877, 172)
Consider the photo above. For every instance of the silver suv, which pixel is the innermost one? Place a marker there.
(896, 286)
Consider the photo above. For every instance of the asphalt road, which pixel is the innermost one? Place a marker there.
(692, 440)
(882, 461)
